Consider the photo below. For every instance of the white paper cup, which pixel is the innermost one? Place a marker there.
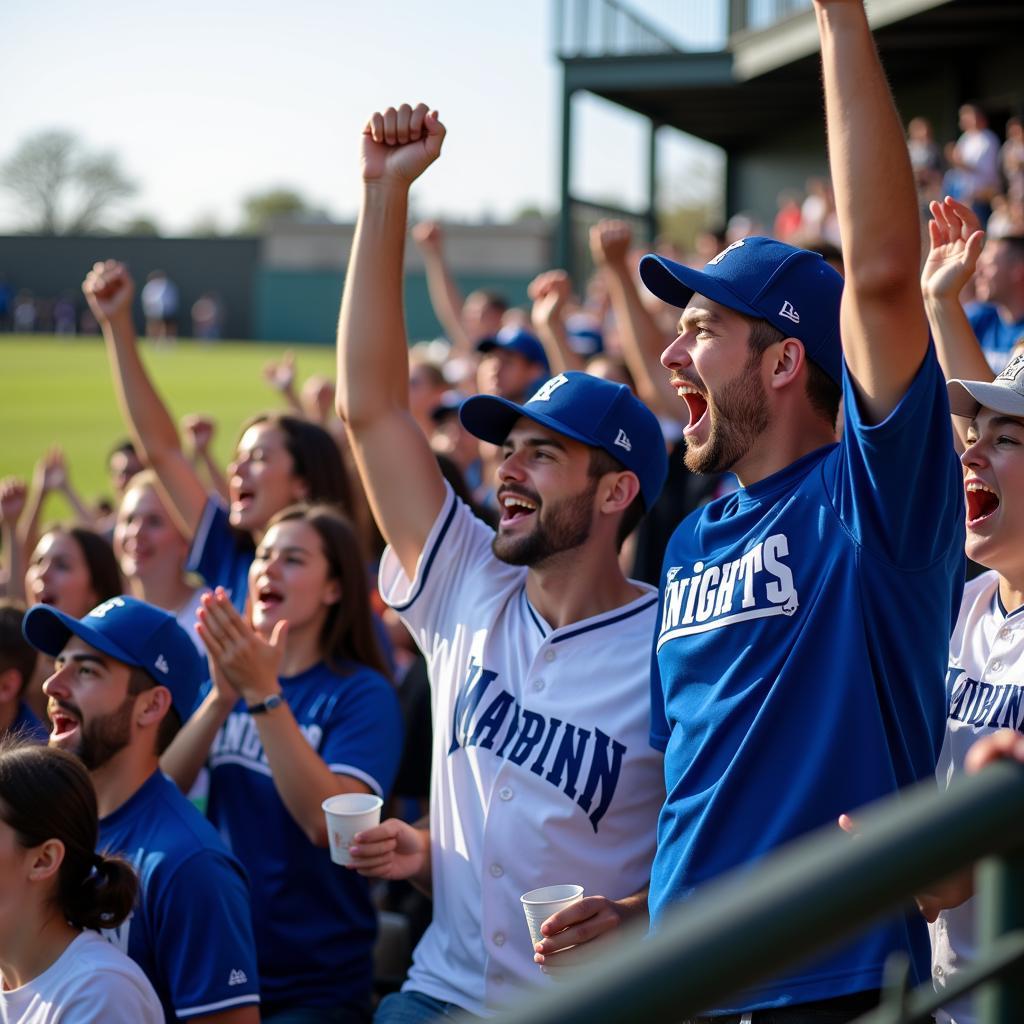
(540, 904)
(347, 814)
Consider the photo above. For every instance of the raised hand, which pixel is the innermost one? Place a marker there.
(550, 292)
(428, 235)
(109, 290)
(51, 472)
(399, 145)
(280, 373)
(318, 398)
(13, 494)
(246, 661)
(199, 430)
(956, 242)
(610, 241)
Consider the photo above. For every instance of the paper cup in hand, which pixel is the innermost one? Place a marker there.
(347, 814)
(540, 904)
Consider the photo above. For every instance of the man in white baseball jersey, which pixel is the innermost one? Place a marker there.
(538, 646)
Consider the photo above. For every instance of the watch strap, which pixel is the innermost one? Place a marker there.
(264, 706)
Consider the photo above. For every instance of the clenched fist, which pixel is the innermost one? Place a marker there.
(399, 145)
(109, 290)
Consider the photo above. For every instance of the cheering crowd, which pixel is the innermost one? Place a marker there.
(564, 639)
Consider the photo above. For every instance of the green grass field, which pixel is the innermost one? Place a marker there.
(55, 391)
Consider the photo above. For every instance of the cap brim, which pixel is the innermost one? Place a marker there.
(48, 630)
(967, 396)
(676, 284)
(492, 418)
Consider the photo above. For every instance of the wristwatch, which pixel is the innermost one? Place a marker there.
(266, 705)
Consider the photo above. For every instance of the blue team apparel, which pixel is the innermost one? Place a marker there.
(515, 339)
(191, 931)
(314, 922)
(220, 553)
(132, 631)
(795, 290)
(995, 336)
(27, 726)
(800, 661)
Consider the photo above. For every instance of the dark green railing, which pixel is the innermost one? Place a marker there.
(813, 893)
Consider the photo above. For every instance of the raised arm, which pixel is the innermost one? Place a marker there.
(109, 290)
(642, 341)
(551, 292)
(884, 331)
(13, 493)
(398, 470)
(445, 296)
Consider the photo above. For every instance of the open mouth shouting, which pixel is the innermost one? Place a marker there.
(696, 403)
(516, 507)
(243, 500)
(982, 502)
(65, 723)
(268, 598)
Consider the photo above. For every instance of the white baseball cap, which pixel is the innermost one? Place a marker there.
(1005, 394)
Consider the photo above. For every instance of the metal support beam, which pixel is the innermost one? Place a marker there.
(652, 183)
(1000, 884)
(564, 247)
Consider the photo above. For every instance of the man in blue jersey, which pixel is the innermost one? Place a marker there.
(998, 316)
(127, 675)
(805, 619)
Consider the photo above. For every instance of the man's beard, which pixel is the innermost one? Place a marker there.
(739, 415)
(103, 737)
(566, 524)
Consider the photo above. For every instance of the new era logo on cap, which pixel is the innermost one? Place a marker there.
(622, 440)
(161, 664)
(789, 312)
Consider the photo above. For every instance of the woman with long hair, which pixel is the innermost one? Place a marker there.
(279, 460)
(56, 893)
(299, 710)
(73, 569)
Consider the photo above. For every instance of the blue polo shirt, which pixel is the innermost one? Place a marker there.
(995, 336)
(191, 930)
(314, 922)
(800, 660)
(221, 554)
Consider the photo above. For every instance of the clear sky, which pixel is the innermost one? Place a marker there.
(206, 102)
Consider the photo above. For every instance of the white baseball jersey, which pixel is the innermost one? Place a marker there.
(542, 768)
(985, 685)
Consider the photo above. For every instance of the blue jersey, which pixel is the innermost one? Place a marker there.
(27, 726)
(191, 930)
(221, 554)
(995, 336)
(800, 661)
(315, 925)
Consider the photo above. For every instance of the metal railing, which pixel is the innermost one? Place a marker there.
(813, 893)
(611, 28)
(761, 14)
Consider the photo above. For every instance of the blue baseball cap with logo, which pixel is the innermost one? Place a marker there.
(516, 339)
(132, 631)
(596, 412)
(795, 290)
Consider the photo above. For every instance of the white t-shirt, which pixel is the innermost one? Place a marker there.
(985, 686)
(543, 772)
(89, 983)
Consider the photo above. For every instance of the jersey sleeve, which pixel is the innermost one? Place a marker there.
(214, 550)
(363, 735)
(898, 484)
(115, 999)
(204, 939)
(456, 559)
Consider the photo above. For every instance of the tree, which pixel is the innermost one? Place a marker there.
(63, 189)
(140, 224)
(263, 208)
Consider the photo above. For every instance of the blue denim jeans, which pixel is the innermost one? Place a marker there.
(416, 1008)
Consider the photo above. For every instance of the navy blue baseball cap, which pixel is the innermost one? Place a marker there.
(132, 631)
(597, 412)
(793, 289)
(515, 339)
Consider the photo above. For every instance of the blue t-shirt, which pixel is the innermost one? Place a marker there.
(800, 661)
(995, 336)
(27, 726)
(191, 930)
(221, 554)
(314, 922)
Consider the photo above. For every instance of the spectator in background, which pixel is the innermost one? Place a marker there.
(24, 314)
(299, 710)
(58, 893)
(427, 386)
(152, 553)
(17, 666)
(6, 302)
(123, 463)
(1011, 159)
(997, 317)
(65, 316)
(160, 305)
(789, 219)
(207, 317)
(514, 363)
(925, 160)
(975, 159)
(126, 676)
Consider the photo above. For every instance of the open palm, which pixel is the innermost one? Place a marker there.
(401, 144)
(956, 242)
